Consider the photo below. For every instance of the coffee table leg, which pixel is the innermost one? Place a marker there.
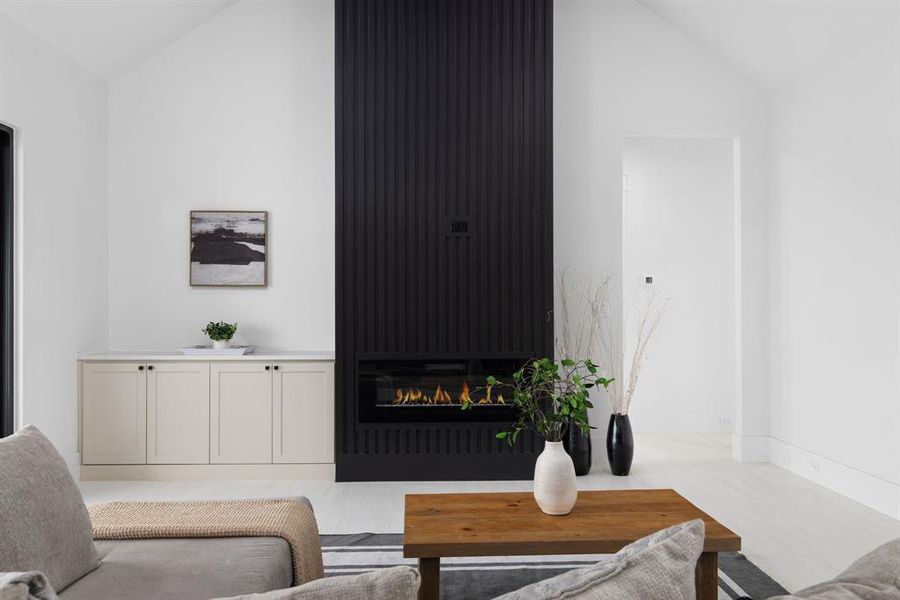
(707, 576)
(430, 573)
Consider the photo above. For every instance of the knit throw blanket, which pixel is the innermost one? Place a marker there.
(289, 518)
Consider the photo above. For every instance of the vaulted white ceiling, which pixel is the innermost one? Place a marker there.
(109, 36)
(770, 40)
(773, 41)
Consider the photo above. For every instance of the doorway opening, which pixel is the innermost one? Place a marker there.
(679, 246)
(7, 281)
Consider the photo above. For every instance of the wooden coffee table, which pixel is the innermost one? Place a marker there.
(510, 524)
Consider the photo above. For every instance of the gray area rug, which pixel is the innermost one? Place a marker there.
(483, 578)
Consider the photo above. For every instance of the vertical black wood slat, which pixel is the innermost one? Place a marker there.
(475, 157)
(505, 152)
(528, 139)
(433, 177)
(491, 191)
(442, 111)
(369, 198)
(339, 304)
(358, 174)
(454, 126)
(380, 150)
(391, 172)
(441, 273)
(422, 199)
(547, 166)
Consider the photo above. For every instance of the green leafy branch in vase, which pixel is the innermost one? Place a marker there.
(549, 397)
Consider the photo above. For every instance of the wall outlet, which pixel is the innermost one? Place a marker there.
(725, 422)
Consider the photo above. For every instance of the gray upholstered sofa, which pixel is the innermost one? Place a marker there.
(47, 546)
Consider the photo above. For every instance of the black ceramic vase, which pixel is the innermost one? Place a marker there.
(619, 444)
(578, 445)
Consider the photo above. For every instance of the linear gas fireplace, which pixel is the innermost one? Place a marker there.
(444, 232)
(418, 388)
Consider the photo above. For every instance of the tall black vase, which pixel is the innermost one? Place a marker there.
(619, 444)
(578, 445)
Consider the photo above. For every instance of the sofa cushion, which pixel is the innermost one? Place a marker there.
(875, 576)
(44, 525)
(198, 568)
(395, 583)
(658, 567)
(185, 568)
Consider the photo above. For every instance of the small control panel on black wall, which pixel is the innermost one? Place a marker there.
(458, 227)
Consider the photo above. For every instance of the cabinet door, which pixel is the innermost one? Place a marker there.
(114, 413)
(303, 427)
(178, 413)
(241, 413)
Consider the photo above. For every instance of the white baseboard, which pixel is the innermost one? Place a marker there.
(873, 491)
(746, 448)
(204, 472)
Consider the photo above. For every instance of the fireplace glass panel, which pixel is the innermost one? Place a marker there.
(433, 389)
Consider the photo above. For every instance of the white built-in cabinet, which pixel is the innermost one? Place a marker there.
(241, 415)
(177, 413)
(114, 413)
(297, 387)
(198, 412)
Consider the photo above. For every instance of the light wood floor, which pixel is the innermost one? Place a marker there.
(795, 530)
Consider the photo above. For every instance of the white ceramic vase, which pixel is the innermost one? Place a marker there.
(555, 489)
(221, 344)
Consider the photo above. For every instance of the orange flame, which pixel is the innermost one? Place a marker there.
(487, 397)
(442, 396)
(464, 395)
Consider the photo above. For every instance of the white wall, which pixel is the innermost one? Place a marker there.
(679, 230)
(619, 70)
(59, 112)
(237, 114)
(835, 362)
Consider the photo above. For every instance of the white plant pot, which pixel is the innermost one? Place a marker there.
(555, 489)
(221, 344)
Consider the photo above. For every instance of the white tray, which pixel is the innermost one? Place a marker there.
(210, 351)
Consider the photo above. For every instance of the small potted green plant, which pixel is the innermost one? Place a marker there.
(220, 333)
(550, 397)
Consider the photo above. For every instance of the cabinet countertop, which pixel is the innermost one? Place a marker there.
(161, 355)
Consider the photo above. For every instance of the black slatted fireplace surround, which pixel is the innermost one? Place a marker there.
(444, 231)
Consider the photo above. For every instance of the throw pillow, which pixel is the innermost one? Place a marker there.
(875, 576)
(658, 567)
(26, 586)
(395, 583)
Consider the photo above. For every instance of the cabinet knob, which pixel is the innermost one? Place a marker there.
(140, 367)
(275, 367)
(267, 367)
(150, 368)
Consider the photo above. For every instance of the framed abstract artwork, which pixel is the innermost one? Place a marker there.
(228, 248)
